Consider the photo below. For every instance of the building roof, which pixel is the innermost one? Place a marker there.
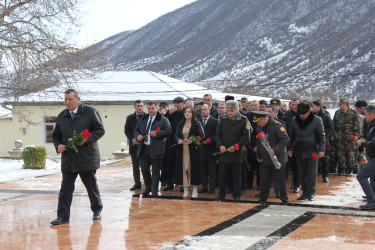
(128, 86)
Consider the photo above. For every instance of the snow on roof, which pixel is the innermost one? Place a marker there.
(120, 86)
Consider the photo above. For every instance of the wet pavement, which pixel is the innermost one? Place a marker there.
(130, 221)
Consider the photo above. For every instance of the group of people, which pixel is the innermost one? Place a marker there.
(205, 145)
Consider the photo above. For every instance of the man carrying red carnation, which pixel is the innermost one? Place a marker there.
(277, 138)
(307, 144)
(232, 134)
(208, 173)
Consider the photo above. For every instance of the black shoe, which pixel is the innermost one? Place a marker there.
(341, 173)
(278, 195)
(59, 221)
(155, 194)
(262, 202)
(146, 192)
(350, 173)
(202, 190)
(302, 197)
(296, 190)
(163, 183)
(285, 202)
(236, 197)
(242, 191)
(220, 197)
(136, 186)
(325, 179)
(310, 198)
(292, 187)
(368, 206)
(97, 216)
(181, 189)
(229, 190)
(258, 194)
(167, 188)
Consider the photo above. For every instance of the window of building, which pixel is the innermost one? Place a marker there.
(49, 126)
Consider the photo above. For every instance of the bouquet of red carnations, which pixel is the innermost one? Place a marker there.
(77, 139)
(262, 137)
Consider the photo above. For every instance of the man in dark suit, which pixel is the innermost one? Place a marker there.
(77, 117)
(208, 148)
(151, 148)
(130, 124)
(207, 99)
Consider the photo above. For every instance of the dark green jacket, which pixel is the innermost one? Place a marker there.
(230, 132)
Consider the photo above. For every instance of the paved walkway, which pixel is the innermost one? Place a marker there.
(171, 222)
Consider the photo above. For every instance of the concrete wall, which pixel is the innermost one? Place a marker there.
(27, 124)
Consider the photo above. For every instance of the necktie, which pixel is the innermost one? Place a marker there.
(204, 122)
(149, 125)
(72, 114)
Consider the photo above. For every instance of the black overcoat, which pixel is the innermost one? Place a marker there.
(88, 157)
(130, 124)
(209, 132)
(195, 154)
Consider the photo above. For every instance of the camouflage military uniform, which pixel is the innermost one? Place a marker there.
(346, 127)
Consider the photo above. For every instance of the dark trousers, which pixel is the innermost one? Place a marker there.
(171, 162)
(324, 165)
(67, 188)
(254, 168)
(295, 169)
(136, 172)
(273, 179)
(367, 171)
(307, 172)
(208, 173)
(235, 169)
(151, 180)
(268, 173)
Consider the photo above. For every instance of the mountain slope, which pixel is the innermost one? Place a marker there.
(306, 48)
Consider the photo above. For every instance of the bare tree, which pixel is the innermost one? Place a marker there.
(36, 48)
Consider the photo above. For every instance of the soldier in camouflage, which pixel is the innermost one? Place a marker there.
(347, 130)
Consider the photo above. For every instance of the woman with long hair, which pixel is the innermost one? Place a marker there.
(189, 152)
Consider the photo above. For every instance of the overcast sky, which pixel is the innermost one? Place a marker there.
(108, 17)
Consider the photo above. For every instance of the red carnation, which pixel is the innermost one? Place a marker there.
(208, 141)
(352, 137)
(258, 136)
(237, 146)
(86, 134)
(364, 160)
(314, 156)
(157, 130)
(329, 147)
(217, 162)
(199, 138)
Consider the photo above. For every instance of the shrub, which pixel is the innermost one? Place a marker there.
(34, 157)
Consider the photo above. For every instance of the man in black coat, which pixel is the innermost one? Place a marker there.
(77, 117)
(151, 148)
(368, 170)
(291, 164)
(207, 99)
(175, 115)
(232, 134)
(307, 143)
(278, 139)
(130, 124)
(328, 129)
(208, 149)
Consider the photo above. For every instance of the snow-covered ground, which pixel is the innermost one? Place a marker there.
(11, 170)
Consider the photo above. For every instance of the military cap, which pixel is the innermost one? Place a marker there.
(163, 104)
(344, 100)
(231, 104)
(178, 99)
(275, 101)
(258, 115)
(243, 99)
